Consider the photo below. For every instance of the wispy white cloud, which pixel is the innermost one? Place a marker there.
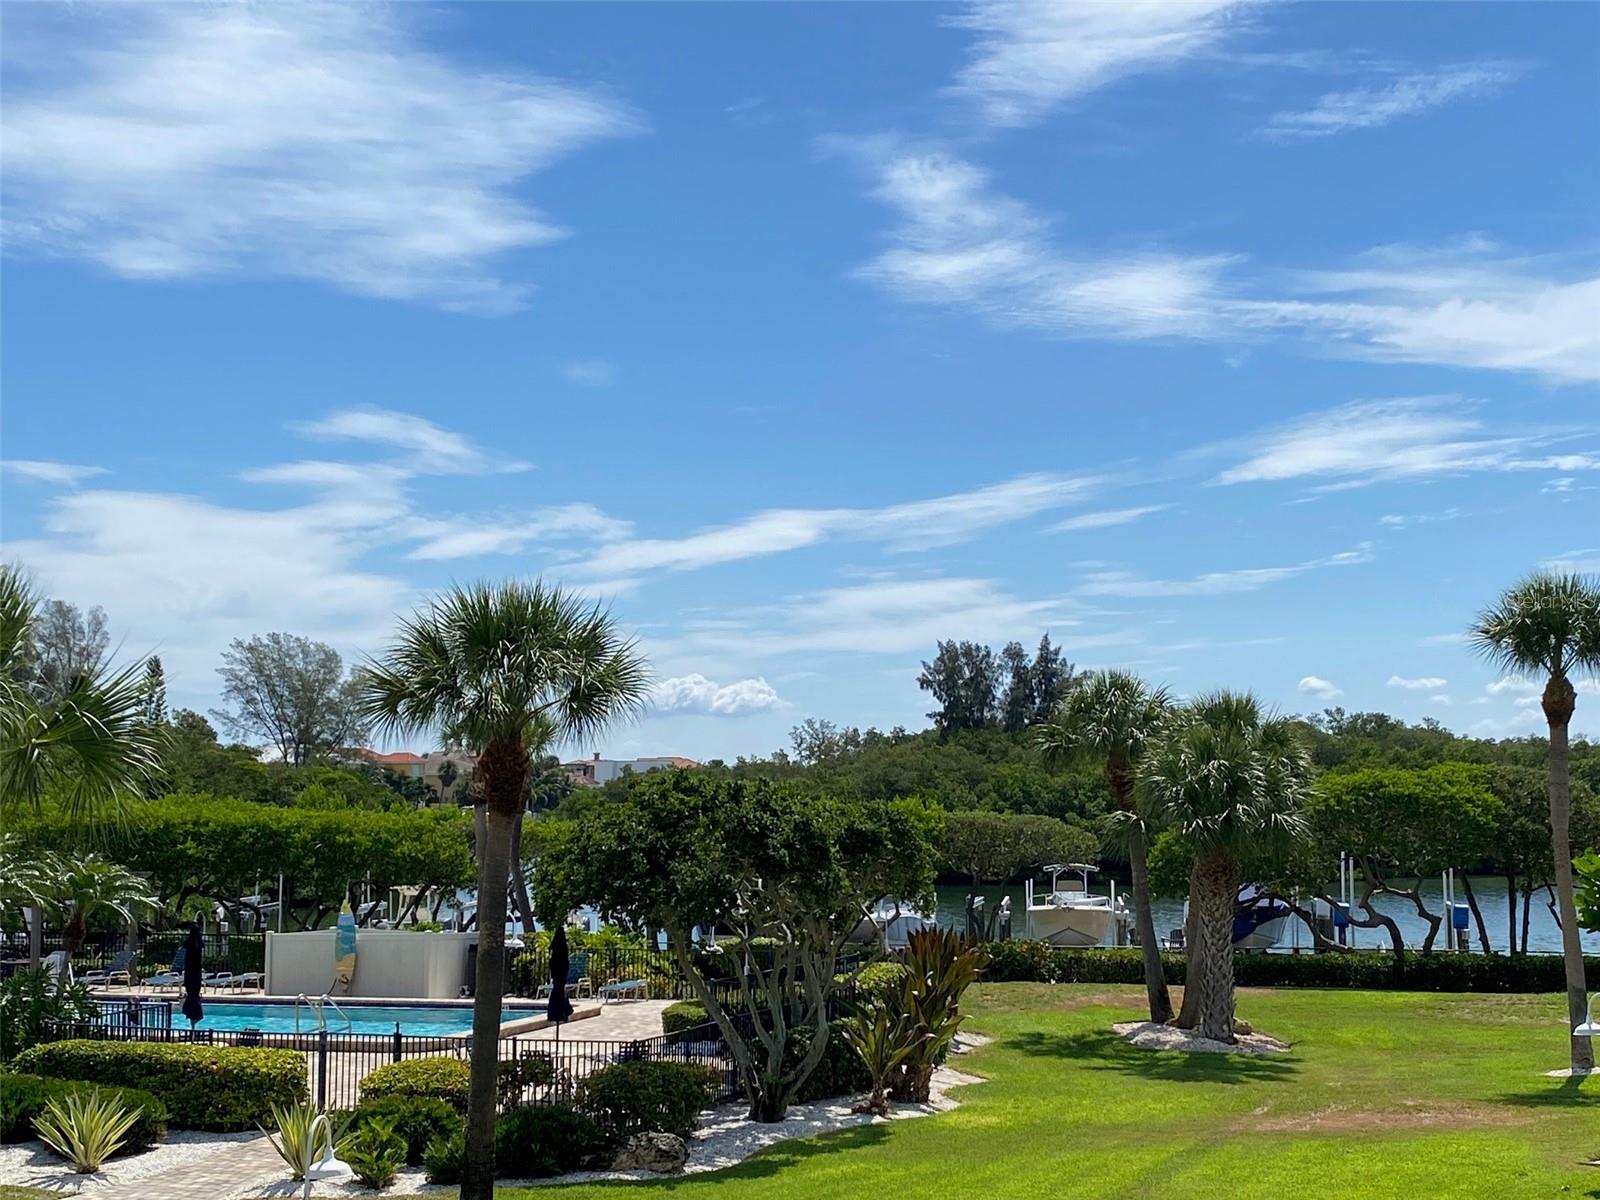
(1398, 438)
(915, 525)
(1512, 684)
(40, 470)
(1406, 520)
(1409, 95)
(431, 448)
(1420, 684)
(315, 141)
(696, 694)
(1212, 583)
(1322, 689)
(1106, 517)
(470, 537)
(1578, 562)
(1033, 55)
(591, 372)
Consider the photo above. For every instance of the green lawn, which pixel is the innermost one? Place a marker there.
(1414, 1096)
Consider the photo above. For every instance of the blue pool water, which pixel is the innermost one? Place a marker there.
(414, 1020)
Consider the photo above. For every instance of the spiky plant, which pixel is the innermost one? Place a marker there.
(85, 1127)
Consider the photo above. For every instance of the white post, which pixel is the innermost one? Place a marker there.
(280, 901)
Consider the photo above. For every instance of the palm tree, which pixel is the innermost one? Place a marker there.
(1111, 716)
(501, 670)
(87, 885)
(1229, 780)
(1549, 626)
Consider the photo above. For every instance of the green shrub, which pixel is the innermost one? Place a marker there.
(30, 999)
(440, 1077)
(526, 1078)
(218, 1088)
(1035, 962)
(23, 1097)
(443, 1158)
(417, 1119)
(85, 1127)
(647, 1097)
(535, 1143)
(840, 1072)
(375, 1152)
(876, 978)
(677, 1019)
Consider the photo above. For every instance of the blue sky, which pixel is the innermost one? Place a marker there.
(1240, 343)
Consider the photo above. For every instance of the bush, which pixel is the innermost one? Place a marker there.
(535, 1143)
(440, 1078)
(217, 1088)
(23, 1097)
(532, 1071)
(647, 1097)
(1035, 962)
(85, 1127)
(874, 979)
(417, 1119)
(677, 1019)
(443, 1158)
(840, 1072)
(375, 1152)
(30, 999)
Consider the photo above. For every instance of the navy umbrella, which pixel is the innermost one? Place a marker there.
(193, 974)
(560, 1008)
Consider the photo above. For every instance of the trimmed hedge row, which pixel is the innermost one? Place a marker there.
(23, 1097)
(217, 1088)
(1446, 971)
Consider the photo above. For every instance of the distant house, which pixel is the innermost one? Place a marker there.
(593, 772)
(429, 768)
(401, 762)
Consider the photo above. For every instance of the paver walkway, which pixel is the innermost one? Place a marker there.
(218, 1174)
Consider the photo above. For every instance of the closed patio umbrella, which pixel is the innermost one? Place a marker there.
(193, 974)
(560, 1008)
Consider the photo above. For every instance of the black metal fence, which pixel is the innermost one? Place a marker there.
(157, 951)
(534, 1070)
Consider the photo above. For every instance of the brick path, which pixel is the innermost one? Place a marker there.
(216, 1175)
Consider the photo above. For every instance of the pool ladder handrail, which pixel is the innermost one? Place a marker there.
(316, 1006)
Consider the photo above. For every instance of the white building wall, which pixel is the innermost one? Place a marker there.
(389, 963)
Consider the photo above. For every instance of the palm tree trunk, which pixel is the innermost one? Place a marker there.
(1511, 913)
(1216, 880)
(1155, 977)
(494, 860)
(1193, 968)
(519, 878)
(1558, 705)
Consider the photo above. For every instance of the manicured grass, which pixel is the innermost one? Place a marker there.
(11, 1192)
(1386, 1095)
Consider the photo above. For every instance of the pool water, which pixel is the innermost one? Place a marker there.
(415, 1020)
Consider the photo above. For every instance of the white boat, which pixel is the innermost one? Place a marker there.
(891, 924)
(1070, 915)
(1259, 920)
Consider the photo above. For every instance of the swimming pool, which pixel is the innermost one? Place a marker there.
(415, 1020)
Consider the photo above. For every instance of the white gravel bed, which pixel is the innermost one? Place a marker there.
(34, 1164)
(726, 1138)
(1150, 1036)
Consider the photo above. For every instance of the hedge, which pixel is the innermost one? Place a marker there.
(439, 1077)
(1441, 971)
(536, 1143)
(677, 1019)
(217, 1088)
(417, 1119)
(626, 1098)
(23, 1097)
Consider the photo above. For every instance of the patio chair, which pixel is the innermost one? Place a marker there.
(219, 980)
(578, 982)
(624, 989)
(249, 979)
(172, 978)
(58, 966)
(120, 970)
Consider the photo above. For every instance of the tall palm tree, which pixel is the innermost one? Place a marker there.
(501, 670)
(86, 885)
(1229, 780)
(1549, 626)
(1111, 716)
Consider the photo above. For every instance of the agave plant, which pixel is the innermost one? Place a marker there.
(85, 1127)
(940, 967)
(883, 1040)
(302, 1134)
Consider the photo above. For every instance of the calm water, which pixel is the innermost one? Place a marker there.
(417, 1020)
(1543, 934)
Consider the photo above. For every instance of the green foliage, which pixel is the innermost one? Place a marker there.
(443, 1159)
(417, 1119)
(375, 1152)
(992, 847)
(883, 1039)
(220, 1088)
(23, 1097)
(439, 1077)
(940, 967)
(546, 1140)
(1035, 962)
(1417, 822)
(29, 1000)
(644, 1097)
(525, 1078)
(877, 978)
(1586, 869)
(85, 1127)
(839, 1072)
(300, 1135)
(685, 1015)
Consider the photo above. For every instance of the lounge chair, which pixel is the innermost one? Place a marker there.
(578, 982)
(120, 970)
(172, 978)
(58, 966)
(624, 989)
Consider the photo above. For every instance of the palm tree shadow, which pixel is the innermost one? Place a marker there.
(1568, 1093)
(779, 1157)
(1098, 1051)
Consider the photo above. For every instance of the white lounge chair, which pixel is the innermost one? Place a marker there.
(624, 989)
(58, 966)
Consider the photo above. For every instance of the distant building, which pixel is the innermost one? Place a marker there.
(596, 771)
(401, 762)
(429, 768)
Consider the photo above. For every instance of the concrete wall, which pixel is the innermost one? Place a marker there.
(389, 962)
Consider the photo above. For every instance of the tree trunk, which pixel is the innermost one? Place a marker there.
(519, 878)
(503, 769)
(1558, 704)
(1477, 913)
(1511, 913)
(1193, 968)
(1212, 897)
(1155, 976)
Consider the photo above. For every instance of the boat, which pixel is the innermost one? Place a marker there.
(1258, 918)
(1070, 915)
(891, 924)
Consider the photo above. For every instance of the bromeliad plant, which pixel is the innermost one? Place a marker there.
(883, 1039)
(85, 1127)
(940, 967)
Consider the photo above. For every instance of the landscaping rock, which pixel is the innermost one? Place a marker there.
(661, 1153)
